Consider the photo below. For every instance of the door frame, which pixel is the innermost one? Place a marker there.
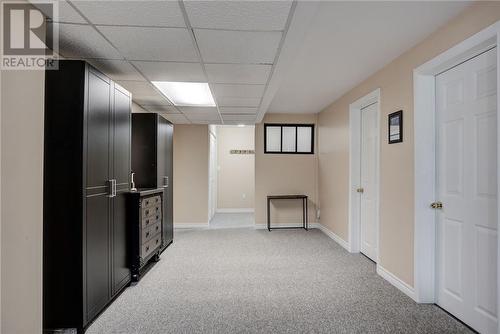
(425, 236)
(212, 189)
(355, 170)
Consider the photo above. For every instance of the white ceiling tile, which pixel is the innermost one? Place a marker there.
(228, 101)
(167, 71)
(220, 90)
(150, 100)
(199, 111)
(175, 118)
(116, 69)
(237, 110)
(83, 41)
(138, 88)
(137, 43)
(164, 109)
(138, 13)
(218, 46)
(236, 118)
(210, 122)
(233, 15)
(238, 73)
(66, 13)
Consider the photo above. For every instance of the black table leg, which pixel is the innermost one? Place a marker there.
(303, 214)
(307, 215)
(269, 215)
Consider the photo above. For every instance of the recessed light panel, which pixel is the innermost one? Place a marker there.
(186, 93)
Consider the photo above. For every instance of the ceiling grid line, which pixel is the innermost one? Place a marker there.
(276, 58)
(193, 38)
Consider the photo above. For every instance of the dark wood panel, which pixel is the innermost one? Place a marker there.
(63, 180)
(121, 141)
(121, 269)
(98, 127)
(97, 250)
(144, 150)
(169, 196)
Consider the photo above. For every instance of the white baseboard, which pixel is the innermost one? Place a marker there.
(397, 282)
(264, 226)
(190, 225)
(335, 237)
(235, 210)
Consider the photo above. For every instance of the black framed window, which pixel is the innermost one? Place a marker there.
(288, 138)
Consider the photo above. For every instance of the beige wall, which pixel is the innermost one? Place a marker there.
(396, 161)
(21, 194)
(236, 176)
(191, 174)
(278, 174)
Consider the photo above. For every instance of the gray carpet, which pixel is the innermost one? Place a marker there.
(254, 281)
(232, 220)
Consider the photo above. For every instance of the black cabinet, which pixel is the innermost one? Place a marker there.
(152, 162)
(86, 178)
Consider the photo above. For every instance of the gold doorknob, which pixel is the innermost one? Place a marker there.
(437, 205)
(360, 190)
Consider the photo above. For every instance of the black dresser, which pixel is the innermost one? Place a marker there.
(152, 162)
(86, 178)
(145, 215)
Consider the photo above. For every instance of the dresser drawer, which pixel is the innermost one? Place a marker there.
(151, 211)
(150, 201)
(150, 232)
(151, 246)
(151, 220)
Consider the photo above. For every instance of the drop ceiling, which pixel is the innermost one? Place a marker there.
(257, 56)
(231, 45)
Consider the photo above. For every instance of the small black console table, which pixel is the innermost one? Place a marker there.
(305, 222)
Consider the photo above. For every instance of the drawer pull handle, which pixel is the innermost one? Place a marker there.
(147, 248)
(147, 212)
(147, 202)
(157, 240)
(147, 234)
(147, 221)
(157, 227)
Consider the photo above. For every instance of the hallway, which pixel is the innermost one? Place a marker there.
(254, 281)
(232, 220)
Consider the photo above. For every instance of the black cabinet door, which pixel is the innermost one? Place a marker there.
(169, 196)
(121, 172)
(98, 131)
(97, 250)
(162, 172)
(97, 200)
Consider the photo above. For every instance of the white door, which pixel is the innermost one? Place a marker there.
(466, 105)
(369, 194)
(212, 177)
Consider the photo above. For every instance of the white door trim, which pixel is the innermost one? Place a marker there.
(425, 151)
(355, 169)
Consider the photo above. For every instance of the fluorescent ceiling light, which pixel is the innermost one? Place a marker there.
(241, 125)
(186, 93)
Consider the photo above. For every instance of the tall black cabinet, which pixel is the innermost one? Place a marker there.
(152, 162)
(86, 176)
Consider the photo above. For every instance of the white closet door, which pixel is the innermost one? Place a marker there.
(368, 207)
(467, 186)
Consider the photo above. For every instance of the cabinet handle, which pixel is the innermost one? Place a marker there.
(147, 234)
(111, 188)
(165, 182)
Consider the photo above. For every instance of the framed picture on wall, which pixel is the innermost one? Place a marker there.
(395, 131)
